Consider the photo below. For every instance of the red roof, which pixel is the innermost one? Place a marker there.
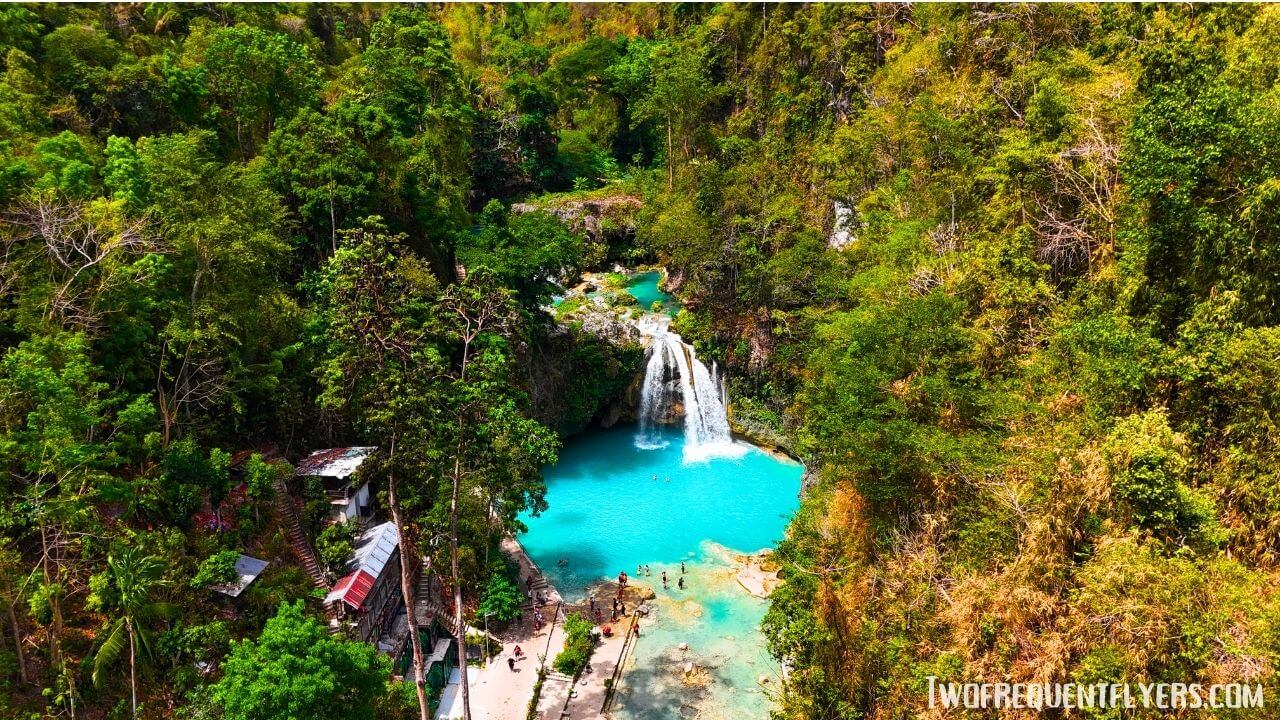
(352, 589)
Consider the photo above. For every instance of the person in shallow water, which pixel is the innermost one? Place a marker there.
(682, 571)
(664, 579)
(680, 584)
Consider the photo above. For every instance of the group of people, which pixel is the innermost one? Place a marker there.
(643, 570)
(618, 608)
(538, 597)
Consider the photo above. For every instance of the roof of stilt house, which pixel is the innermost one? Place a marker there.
(376, 546)
(338, 462)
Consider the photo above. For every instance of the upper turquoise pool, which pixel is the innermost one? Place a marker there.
(644, 288)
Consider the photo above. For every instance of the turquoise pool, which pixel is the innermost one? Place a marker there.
(614, 506)
(644, 288)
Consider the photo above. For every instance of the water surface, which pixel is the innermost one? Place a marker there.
(614, 506)
(644, 288)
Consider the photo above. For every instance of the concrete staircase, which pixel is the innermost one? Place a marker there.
(538, 584)
(429, 605)
(288, 510)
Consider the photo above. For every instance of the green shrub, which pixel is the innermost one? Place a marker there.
(217, 569)
(578, 644)
(1150, 466)
(334, 546)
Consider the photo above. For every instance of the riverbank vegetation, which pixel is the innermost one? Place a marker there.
(1003, 275)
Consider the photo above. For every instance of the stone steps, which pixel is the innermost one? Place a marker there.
(297, 540)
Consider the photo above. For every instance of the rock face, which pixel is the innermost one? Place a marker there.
(808, 480)
(593, 314)
(576, 375)
(600, 219)
(842, 230)
(758, 433)
(758, 576)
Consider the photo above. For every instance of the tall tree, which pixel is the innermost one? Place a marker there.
(124, 592)
(378, 315)
(430, 373)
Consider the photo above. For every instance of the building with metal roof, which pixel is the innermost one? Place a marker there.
(369, 594)
(247, 570)
(338, 469)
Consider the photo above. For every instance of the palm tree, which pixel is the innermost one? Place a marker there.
(131, 578)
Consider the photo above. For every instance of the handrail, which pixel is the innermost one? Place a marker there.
(628, 643)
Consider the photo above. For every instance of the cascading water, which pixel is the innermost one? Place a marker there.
(674, 366)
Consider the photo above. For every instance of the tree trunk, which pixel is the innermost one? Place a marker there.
(333, 225)
(17, 642)
(133, 672)
(460, 629)
(408, 592)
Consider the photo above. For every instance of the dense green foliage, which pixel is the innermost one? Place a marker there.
(502, 599)
(295, 669)
(1004, 275)
(578, 644)
(231, 235)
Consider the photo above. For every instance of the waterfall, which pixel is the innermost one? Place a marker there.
(674, 370)
(655, 401)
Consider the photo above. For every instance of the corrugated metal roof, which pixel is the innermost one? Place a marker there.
(369, 560)
(352, 589)
(334, 462)
(375, 548)
(247, 570)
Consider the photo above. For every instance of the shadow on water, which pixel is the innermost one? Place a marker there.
(583, 565)
(584, 457)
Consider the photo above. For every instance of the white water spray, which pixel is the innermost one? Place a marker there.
(674, 364)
